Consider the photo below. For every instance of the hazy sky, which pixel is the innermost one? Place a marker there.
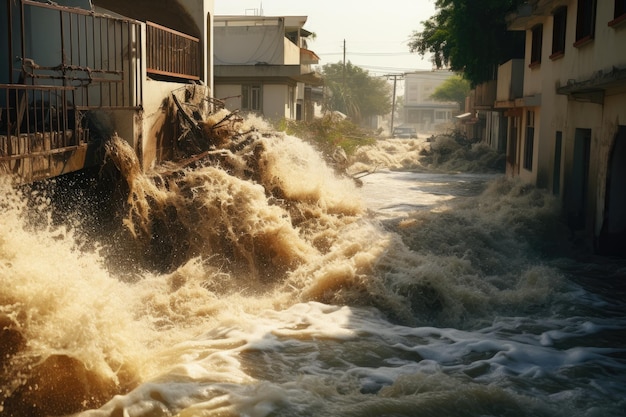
(376, 32)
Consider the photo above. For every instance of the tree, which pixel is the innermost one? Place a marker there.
(455, 88)
(470, 37)
(352, 91)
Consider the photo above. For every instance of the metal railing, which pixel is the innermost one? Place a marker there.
(38, 120)
(171, 53)
(99, 55)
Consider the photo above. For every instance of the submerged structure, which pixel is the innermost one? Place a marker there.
(74, 72)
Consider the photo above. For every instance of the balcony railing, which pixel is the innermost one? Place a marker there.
(98, 54)
(171, 53)
(38, 119)
(40, 131)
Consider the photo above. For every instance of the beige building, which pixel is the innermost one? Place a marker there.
(420, 109)
(72, 72)
(263, 66)
(567, 127)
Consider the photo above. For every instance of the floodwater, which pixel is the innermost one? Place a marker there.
(264, 285)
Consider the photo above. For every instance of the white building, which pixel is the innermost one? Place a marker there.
(420, 109)
(567, 130)
(263, 66)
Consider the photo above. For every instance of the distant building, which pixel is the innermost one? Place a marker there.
(567, 124)
(420, 109)
(263, 66)
(73, 72)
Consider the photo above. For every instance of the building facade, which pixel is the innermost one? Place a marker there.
(420, 110)
(74, 72)
(567, 129)
(263, 66)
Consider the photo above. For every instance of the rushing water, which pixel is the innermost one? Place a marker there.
(264, 285)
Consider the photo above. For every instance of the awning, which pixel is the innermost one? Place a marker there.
(466, 118)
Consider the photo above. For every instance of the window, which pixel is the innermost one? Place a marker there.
(558, 32)
(251, 97)
(440, 115)
(291, 100)
(619, 13)
(535, 52)
(585, 21)
(530, 141)
(620, 8)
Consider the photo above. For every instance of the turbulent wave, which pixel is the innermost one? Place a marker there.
(255, 281)
(444, 152)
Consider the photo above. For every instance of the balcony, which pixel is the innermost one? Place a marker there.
(485, 95)
(510, 83)
(171, 53)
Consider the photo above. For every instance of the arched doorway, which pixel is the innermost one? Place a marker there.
(612, 239)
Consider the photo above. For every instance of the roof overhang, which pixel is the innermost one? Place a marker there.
(308, 57)
(467, 118)
(264, 73)
(312, 78)
(531, 13)
(594, 88)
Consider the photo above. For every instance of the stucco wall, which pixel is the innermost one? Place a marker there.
(275, 101)
(233, 92)
(605, 51)
(292, 52)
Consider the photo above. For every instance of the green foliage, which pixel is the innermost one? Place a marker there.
(470, 37)
(354, 92)
(455, 88)
(327, 133)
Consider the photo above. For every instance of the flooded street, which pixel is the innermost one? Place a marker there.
(425, 292)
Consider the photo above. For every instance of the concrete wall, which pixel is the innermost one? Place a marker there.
(292, 53)
(275, 99)
(232, 91)
(510, 80)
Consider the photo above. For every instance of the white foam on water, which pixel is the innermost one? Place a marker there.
(286, 297)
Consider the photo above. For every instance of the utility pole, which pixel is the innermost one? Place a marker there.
(393, 105)
(344, 64)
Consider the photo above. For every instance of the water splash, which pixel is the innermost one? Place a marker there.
(247, 263)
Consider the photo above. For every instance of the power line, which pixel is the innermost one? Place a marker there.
(368, 53)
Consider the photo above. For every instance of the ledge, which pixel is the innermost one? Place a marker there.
(557, 55)
(583, 41)
(617, 22)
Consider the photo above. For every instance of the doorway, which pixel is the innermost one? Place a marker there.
(612, 239)
(577, 197)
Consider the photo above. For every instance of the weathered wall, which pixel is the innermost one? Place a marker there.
(232, 91)
(274, 101)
